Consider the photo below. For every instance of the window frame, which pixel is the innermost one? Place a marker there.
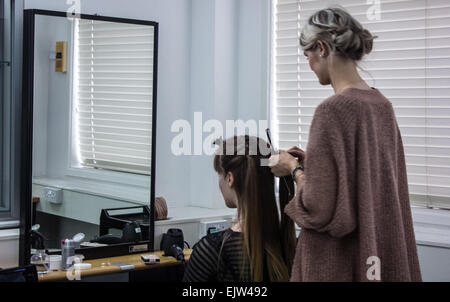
(12, 218)
(5, 67)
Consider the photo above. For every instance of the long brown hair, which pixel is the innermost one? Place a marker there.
(268, 241)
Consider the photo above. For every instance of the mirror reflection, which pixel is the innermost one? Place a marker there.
(92, 131)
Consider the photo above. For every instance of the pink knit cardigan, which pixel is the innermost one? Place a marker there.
(352, 202)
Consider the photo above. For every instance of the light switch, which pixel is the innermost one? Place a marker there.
(53, 195)
(60, 56)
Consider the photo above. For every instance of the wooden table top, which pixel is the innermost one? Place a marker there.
(102, 266)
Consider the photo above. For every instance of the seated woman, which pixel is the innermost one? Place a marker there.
(259, 246)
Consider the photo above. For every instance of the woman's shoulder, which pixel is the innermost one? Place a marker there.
(218, 237)
(215, 239)
(338, 110)
(339, 101)
(352, 98)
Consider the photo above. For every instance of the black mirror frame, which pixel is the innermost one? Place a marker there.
(27, 140)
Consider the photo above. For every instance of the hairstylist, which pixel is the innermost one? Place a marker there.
(352, 200)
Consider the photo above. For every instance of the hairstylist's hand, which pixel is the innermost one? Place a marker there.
(298, 153)
(282, 164)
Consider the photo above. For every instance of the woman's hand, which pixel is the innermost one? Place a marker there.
(282, 164)
(298, 153)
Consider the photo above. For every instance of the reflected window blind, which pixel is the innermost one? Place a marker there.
(410, 65)
(113, 95)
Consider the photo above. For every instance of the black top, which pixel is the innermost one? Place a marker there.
(205, 264)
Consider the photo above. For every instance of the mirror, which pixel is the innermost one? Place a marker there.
(93, 126)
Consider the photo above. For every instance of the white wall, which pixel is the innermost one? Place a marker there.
(51, 108)
(229, 76)
(253, 59)
(213, 87)
(434, 263)
(9, 247)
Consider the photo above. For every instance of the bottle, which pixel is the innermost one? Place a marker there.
(67, 251)
(41, 260)
(68, 247)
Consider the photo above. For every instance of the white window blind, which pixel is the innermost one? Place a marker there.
(113, 89)
(409, 64)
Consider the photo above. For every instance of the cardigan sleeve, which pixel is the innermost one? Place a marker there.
(325, 199)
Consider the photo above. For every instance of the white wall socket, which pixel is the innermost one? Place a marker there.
(53, 195)
(220, 225)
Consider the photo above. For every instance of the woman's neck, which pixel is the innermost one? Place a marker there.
(236, 225)
(343, 74)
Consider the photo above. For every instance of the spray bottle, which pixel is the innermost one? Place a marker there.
(68, 247)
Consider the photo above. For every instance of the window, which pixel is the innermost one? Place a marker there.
(5, 105)
(113, 76)
(410, 64)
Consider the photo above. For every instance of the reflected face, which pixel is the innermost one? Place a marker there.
(226, 187)
(318, 64)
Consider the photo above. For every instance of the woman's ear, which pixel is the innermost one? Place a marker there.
(230, 179)
(322, 48)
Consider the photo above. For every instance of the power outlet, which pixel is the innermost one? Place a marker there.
(217, 226)
(53, 195)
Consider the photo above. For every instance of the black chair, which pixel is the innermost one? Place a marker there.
(19, 274)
